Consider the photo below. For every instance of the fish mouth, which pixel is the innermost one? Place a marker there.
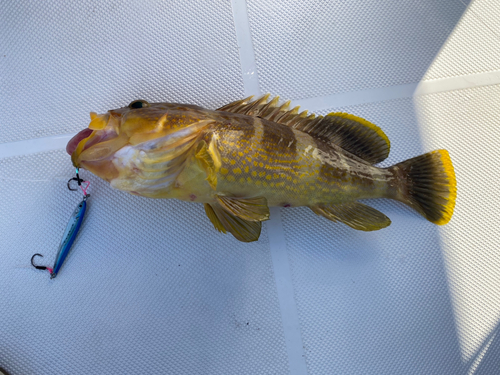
(73, 143)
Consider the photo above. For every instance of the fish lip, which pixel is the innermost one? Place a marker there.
(75, 141)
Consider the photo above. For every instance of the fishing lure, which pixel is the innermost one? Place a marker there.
(71, 231)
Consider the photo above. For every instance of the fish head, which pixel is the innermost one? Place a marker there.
(138, 129)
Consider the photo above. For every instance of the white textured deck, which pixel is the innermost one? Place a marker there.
(151, 288)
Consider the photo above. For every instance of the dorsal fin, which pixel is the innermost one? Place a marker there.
(354, 134)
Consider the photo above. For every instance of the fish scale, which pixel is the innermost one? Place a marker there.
(290, 176)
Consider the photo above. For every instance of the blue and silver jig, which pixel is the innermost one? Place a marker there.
(71, 231)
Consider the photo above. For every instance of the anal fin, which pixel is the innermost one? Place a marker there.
(356, 215)
(223, 221)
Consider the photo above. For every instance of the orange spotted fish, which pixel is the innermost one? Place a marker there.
(249, 155)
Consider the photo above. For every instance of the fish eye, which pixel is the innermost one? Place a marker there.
(138, 104)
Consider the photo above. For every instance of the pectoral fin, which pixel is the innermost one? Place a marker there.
(250, 209)
(357, 215)
(207, 162)
(223, 221)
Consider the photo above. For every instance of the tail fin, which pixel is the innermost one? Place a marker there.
(428, 184)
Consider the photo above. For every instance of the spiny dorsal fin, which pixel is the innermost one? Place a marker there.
(357, 215)
(354, 134)
(263, 109)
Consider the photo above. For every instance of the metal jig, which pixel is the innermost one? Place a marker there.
(71, 231)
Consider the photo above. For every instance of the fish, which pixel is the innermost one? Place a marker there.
(249, 155)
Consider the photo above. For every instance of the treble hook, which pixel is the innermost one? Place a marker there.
(34, 265)
(74, 179)
(77, 179)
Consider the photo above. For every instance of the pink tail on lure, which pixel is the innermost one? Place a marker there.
(249, 155)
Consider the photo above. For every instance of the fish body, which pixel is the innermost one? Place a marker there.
(247, 156)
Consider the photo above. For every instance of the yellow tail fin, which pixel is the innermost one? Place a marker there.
(428, 184)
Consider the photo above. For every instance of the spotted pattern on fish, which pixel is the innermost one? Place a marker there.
(278, 140)
(283, 161)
